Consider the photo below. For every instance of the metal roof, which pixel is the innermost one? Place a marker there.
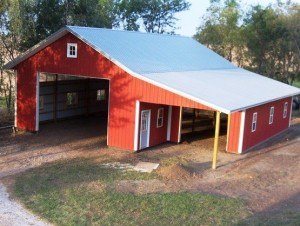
(178, 64)
(152, 53)
(227, 90)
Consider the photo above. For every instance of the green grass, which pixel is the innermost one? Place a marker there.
(81, 192)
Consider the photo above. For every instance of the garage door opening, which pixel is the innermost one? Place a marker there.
(83, 101)
(197, 124)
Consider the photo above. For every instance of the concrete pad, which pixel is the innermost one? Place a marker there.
(146, 167)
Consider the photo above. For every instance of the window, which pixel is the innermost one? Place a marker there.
(160, 117)
(41, 102)
(72, 50)
(285, 109)
(72, 99)
(101, 94)
(254, 122)
(271, 117)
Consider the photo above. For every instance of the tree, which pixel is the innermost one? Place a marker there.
(10, 25)
(156, 16)
(220, 30)
(272, 41)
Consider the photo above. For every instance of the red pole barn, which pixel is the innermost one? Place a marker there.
(151, 87)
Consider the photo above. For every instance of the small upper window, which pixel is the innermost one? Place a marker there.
(254, 122)
(72, 50)
(101, 94)
(160, 117)
(271, 117)
(72, 99)
(285, 109)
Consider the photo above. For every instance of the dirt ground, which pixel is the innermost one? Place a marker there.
(268, 177)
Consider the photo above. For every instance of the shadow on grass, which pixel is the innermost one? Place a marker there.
(286, 212)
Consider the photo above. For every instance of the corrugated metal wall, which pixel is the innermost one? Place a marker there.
(264, 130)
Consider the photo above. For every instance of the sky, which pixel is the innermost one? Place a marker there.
(191, 19)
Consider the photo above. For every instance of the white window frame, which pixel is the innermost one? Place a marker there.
(160, 118)
(271, 116)
(285, 109)
(70, 53)
(74, 96)
(101, 95)
(254, 122)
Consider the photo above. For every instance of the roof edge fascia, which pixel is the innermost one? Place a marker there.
(36, 48)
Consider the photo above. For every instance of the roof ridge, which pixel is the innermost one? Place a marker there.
(126, 31)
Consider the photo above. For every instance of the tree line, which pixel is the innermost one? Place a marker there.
(23, 23)
(265, 40)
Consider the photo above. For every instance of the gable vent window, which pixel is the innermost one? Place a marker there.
(72, 50)
(271, 117)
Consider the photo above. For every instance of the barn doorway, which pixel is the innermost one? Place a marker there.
(197, 124)
(82, 102)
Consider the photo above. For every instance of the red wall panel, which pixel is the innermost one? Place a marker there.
(174, 137)
(234, 132)
(157, 135)
(264, 130)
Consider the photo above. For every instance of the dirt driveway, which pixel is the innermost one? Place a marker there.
(268, 178)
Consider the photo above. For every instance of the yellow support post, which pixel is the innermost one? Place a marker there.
(216, 142)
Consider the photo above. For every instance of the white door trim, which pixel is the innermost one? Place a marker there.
(148, 129)
(37, 115)
(136, 125)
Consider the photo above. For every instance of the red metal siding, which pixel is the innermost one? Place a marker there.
(124, 89)
(234, 132)
(264, 130)
(175, 124)
(157, 135)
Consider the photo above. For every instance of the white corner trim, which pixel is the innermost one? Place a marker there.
(16, 99)
(242, 131)
(37, 103)
(108, 112)
(136, 125)
(179, 128)
(290, 119)
(169, 123)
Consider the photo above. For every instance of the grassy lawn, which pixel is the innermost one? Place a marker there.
(82, 192)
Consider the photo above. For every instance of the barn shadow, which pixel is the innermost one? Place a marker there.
(286, 212)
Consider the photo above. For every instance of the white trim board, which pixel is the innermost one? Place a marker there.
(242, 131)
(136, 126)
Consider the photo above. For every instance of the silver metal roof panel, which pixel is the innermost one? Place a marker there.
(152, 53)
(227, 90)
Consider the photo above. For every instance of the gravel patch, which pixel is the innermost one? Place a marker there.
(13, 214)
